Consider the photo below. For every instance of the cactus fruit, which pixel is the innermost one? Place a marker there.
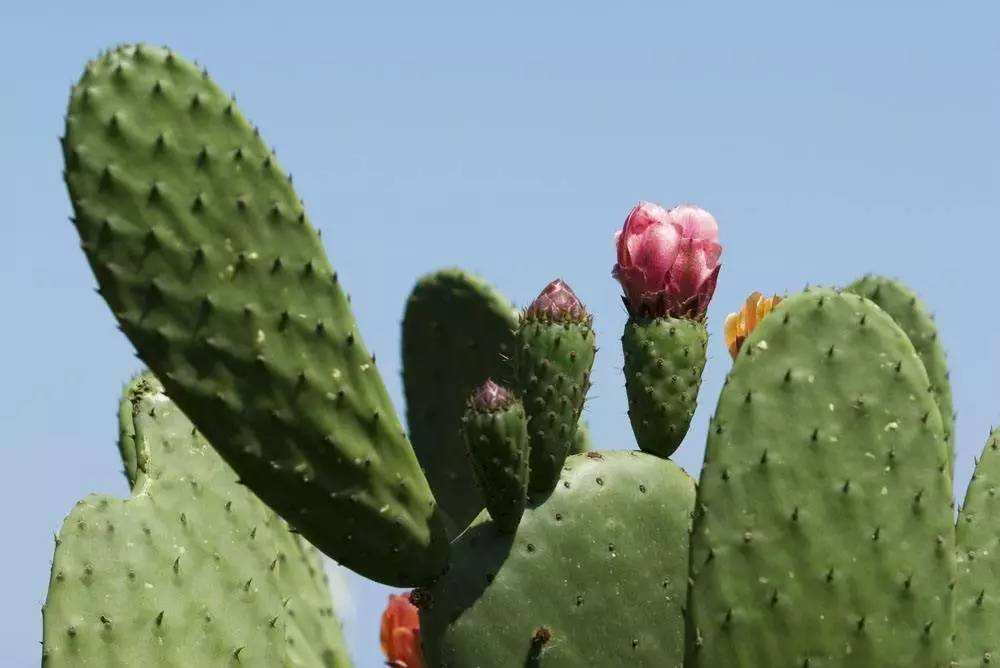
(496, 433)
(664, 360)
(191, 570)
(595, 574)
(668, 263)
(977, 598)
(203, 252)
(909, 312)
(553, 352)
(457, 331)
(823, 532)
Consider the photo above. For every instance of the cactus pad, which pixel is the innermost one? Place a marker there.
(192, 570)
(457, 332)
(203, 252)
(912, 316)
(496, 435)
(595, 575)
(977, 597)
(823, 532)
(664, 360)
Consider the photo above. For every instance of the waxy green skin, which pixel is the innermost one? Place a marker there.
(823, 530)
(664, 360)
(552, 362)
(497, 445)
(912, 316)
(191, 570)
(601, 564)
(977, 597)
(204, 254)
(457, 332)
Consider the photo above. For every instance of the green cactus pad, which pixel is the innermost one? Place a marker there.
(664, 360)
(552, 362)
(595, 575)
(581, 439)
(497, 441)
(977, 596)
(204, 254)
(912, 316)
(457, 332)
(823, 531)
(192, 570)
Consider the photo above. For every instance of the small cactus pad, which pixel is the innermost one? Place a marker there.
(553, 354)
(823, 529)
(912, 316)
(204, 254)
(581, 439)
(496, 434)
(595, 576)
(977, 594)
(457, 332)
(664, 360)
(192, 570)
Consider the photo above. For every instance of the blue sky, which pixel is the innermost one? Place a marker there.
(828, 140)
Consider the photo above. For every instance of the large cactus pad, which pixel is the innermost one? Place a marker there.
(977, 596)
(192, 570)
(203, 252)
(595, 575)
(823, 530)
(903, 305)
(457, 332)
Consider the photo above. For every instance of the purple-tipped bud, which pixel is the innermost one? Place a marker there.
(557, 303)
(490, 397)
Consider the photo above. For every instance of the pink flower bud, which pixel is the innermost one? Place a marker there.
(668, 261)
(490, 397)
(557, 303)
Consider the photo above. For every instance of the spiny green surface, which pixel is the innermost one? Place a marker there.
(912, 316)
(823, 531)
(203, 252)
(601, 565)
(581, 439)
(664, 360)
(977, 594)
(497, 443)
(552, 362)
(192, 570)
(457, 332)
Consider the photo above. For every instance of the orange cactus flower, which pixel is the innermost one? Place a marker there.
(740, 324)
(400, 633)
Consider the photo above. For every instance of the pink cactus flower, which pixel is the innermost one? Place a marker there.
(490, 397)
(668, 261)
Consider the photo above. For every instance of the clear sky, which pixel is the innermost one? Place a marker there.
(829, 139)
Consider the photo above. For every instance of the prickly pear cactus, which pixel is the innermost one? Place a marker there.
(664, 360)
(457, 332)
(554, 351)
(912, 316)
(977, 597)
(203, 252)
(192, 570)
(496, 436)
(595, 575)
(823, 528)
